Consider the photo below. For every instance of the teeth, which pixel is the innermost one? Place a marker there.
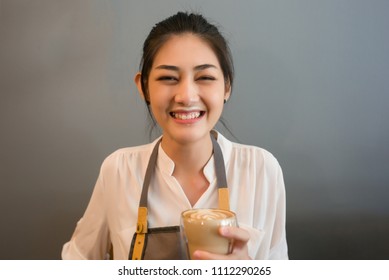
(189, 116)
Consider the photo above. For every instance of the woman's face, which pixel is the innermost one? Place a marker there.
(186, 89)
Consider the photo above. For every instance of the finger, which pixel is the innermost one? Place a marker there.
(236, 255)
(204, 255)
(235, 233)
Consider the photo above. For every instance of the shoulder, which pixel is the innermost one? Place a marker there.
(254, 153)
(248, 154)
(127, 157)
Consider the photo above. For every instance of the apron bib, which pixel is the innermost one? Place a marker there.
(164, 243)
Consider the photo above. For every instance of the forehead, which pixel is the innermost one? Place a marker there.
(185, 50)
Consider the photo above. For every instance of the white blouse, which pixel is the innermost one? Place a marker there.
(257, 196)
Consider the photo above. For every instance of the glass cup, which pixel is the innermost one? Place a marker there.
(200, 230)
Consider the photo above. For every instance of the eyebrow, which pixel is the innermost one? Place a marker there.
(176, 68)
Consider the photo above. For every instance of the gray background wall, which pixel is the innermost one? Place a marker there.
(311, 87)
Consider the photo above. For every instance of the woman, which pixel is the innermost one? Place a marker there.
(186, 77)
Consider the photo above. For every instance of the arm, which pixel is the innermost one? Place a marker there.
(279, 247)
(90, 239)
(272, 238)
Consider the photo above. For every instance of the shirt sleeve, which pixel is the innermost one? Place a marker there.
(279, 247)
(90, 239)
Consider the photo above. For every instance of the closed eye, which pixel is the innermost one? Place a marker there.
(206, 78)
(167, 78)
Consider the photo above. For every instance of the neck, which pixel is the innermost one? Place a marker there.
(188, 157)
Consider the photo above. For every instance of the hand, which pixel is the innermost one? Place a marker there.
(240, 238)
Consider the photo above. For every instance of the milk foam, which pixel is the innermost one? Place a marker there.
(208, 214)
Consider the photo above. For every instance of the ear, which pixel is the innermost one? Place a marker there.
(138, 82)
(227, 92)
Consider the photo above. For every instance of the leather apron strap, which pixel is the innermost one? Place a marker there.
(224, 197)
(142, 227)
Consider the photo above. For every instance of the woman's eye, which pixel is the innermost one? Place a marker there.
(167, 78)
(206, 78)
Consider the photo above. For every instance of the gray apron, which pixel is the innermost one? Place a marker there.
(164, 243)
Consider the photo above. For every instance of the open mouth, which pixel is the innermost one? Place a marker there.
(187, 115)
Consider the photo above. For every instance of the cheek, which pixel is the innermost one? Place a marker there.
(218, 97)
(215, 105)
(156, 105)
(156, 95)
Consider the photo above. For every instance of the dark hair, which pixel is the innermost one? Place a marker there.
(182, 23)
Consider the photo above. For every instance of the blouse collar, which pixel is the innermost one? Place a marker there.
(166, 164)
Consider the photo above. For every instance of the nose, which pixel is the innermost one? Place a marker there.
(187, 92)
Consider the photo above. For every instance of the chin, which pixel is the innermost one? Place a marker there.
(189, 136)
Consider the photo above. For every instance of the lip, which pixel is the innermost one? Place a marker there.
(187, 116)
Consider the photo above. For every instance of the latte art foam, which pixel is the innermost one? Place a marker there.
(208, 214)
(200, 230)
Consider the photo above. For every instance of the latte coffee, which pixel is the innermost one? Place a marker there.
(200, 230)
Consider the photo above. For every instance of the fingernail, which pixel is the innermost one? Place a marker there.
(196, 255)
(225, 230)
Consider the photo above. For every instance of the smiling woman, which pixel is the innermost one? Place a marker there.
(186, 90)
(185, 78)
